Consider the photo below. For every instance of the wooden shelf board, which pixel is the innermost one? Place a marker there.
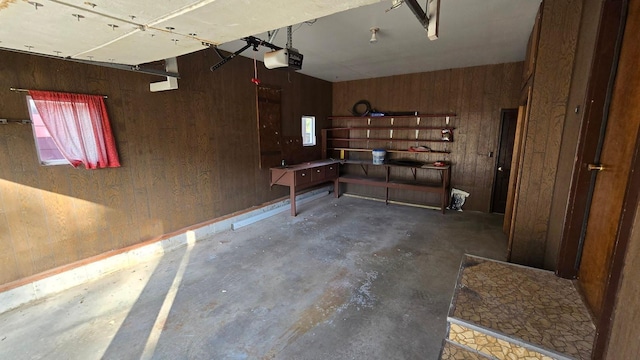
(394, 151)
(392, 117)
(425, 166)
(353, 179)
(393, 128)
(388, 140)
(407, 185)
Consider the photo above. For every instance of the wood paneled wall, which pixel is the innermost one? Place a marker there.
(543, 136)
(475, 94)
(188, 156)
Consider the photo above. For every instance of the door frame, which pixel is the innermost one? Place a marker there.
(496, 164)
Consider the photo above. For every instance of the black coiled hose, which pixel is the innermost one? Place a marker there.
(355, 111)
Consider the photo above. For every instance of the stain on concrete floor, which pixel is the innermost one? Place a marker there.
(345, 279)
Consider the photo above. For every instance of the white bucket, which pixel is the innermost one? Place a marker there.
(378, 156)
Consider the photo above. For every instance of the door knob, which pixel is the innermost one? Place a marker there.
(500, 168)
(595, 167)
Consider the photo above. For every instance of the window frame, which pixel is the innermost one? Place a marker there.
(31, 106)
(312, 133)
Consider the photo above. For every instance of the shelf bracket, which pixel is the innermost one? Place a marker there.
(365, 169)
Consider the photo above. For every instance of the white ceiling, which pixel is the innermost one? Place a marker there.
(136, 32)
(335, 47)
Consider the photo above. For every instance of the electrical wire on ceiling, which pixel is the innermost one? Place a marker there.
(309, 23)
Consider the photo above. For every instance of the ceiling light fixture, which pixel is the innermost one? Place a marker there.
(374, 38)
(395, 4)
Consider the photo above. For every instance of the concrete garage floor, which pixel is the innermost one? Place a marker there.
(345, 279)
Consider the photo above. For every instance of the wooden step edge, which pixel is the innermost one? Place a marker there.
(466, 352)
(509, 339)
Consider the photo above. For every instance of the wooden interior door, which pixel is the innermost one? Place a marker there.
(503, 163)
(516, 171)
(610, 184)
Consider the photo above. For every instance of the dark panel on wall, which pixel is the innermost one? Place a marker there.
(475, 94)
(552, 79)
(188, 156)
(269, 126)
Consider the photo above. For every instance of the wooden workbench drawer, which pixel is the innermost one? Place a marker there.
(318, 173)
(303, 176)
(331, 171)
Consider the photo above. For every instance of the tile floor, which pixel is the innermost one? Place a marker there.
(529, 305)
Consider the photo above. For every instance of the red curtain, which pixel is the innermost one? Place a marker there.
(79, 126)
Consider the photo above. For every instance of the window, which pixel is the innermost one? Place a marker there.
(308, 130)
(78, 128)
(48, 151)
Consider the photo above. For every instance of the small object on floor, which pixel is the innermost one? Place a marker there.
(458, 198)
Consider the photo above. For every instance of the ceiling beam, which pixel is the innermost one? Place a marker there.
(134, 68)
(428, 18)
(418, 12)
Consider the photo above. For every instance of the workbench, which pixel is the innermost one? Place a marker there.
(302, 176)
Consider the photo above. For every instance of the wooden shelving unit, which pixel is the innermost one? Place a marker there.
(392, 151)
(395, 117)
(396, 134)
(352, 142)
